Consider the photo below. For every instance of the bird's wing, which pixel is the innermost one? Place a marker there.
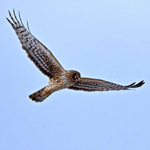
(89, 84)
(37, 52)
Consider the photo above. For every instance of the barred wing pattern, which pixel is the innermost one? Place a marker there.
(37, 52)
(89, 84)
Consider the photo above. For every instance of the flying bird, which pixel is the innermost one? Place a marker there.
(59, 78)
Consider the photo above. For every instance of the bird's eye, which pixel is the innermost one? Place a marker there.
(75, 76)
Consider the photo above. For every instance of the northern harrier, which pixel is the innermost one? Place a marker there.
(59, 78)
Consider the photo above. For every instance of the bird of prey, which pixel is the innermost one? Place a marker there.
(59, 78)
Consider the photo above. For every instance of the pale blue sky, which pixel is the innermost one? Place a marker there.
(107, 39)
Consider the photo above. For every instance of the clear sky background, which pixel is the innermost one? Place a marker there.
(107, 39)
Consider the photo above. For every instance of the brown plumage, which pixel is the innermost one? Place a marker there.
(49, 66)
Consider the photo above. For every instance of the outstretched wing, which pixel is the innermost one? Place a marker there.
(88, 84)
(37, 52)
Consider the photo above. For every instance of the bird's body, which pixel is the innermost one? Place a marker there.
(59, 78)
(62, 81)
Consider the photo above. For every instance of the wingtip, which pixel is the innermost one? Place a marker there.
(142, 82)
(8, 20)
(28, 27)
(9, 13)
(20, 19)
(139, 84)
(134, 85)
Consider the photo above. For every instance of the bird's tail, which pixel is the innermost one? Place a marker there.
(37, 95)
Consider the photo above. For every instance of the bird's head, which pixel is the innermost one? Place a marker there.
(74, 75)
